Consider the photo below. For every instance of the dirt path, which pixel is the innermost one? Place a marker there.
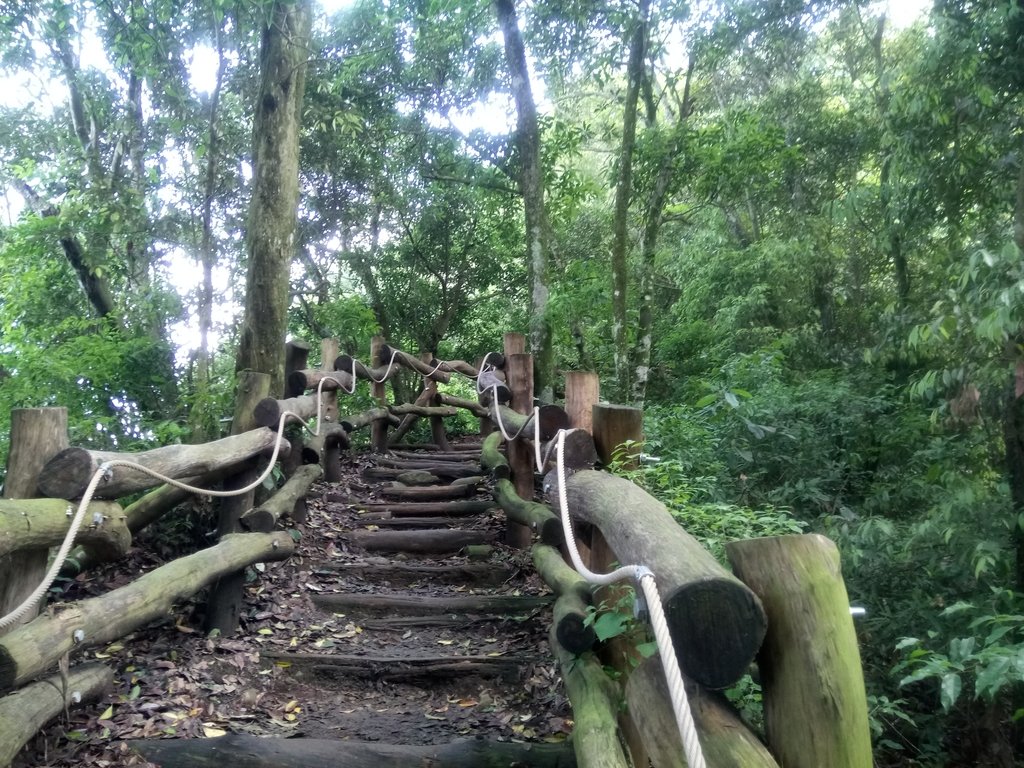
(414, 674)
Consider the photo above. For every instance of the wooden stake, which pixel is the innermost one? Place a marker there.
(379, 428)
(37, 434)
(815, 706)
(613, 426)
(519, 370)
(582, 393)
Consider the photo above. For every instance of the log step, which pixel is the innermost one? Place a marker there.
(380, 569)
(403, 667)
(340, 602)
(428, 492)
(416, 508)
(435, 542)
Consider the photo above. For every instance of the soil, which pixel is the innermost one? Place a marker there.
(172, 681)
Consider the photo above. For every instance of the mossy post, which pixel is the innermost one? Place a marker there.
(379, 427)
(815, 706)
(37, 434)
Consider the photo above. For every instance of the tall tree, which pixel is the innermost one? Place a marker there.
(271, 229)
(531, 184)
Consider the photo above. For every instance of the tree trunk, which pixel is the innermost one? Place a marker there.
(531, 185)
(623, 193)
(717, 623)
(243, 751)
(33, 648)
(815, 706)
(23, 713)
(270, 239)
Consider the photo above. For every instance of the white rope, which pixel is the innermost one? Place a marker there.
(646, 583)
(538, 461)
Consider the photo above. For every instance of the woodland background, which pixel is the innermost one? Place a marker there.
(790, 230)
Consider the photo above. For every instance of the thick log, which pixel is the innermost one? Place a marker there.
(489, 383)
(432, 448)
(442, 456)
(350, 365)
(493, 359)
(67, 474)
(724, 738)
(451, 508)
(35, 647)
(401, 668)
(578, 450)
(268, 411)
(423, 410)
(429, 370)
(815, 706)
(306, 379)
(428, 493)
(477, 409)
(574, 594)
(35, 523)
(537, 518)
(329, 351)
(552, 419)
(389, 572)
(23, 713)
(393, 473)
(424, 542)
(595, 704)
(36, 435)
(244, 751)
(509, 605)
(717, 622)
(492, 459)
(366, 418)
(264, 517)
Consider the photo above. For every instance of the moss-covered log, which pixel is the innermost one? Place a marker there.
(406, 409)
(492, 459)
(595, 705)
(725, 739)
(33, 523)
(815, 706)
(264, 518)
(537, 517)
(37, 646)
(67, 474)
(477, 409)
(24, 712)
(269, 410)
(244, 751)
(717, 622)
(571, 627)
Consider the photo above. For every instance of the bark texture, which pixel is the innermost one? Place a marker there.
(271, 229)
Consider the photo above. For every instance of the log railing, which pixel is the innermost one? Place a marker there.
(717, 621)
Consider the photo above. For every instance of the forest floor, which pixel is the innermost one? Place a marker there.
(171, 680)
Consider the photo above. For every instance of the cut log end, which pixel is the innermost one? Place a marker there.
(67, 475)
(716, 622)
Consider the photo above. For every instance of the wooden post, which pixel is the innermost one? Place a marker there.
(582, 393)
(815, 706)
(438, 436)
(379, 428)
(331, 459)
(519, 376)
(296, 358)
(486, 425)
(613, 426)
(225, 602)
(37, 435)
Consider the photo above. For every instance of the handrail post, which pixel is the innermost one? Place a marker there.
(519, 377)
